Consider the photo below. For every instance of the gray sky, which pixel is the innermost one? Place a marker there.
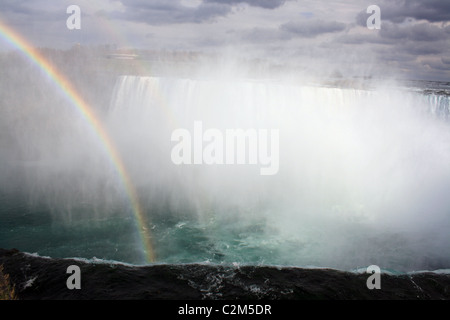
(331, 36)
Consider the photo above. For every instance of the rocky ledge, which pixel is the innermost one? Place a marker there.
(37, 277)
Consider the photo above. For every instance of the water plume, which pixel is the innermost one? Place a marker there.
(362, 179)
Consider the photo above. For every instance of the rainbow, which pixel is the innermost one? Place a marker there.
(88, 114)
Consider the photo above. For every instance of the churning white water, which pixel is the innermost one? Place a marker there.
(315, 176)
(363, 175)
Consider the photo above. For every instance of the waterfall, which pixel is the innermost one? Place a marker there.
(363, 174)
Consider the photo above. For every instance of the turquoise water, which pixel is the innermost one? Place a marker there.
(219, 239)
(177, 239)
(34, 229)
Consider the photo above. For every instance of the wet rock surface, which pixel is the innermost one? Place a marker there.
(37, 277)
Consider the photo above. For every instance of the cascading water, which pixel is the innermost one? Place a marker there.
(362, 174)
(361, 178)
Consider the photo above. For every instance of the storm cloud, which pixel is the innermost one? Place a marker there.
(398, 11)
(168, 12)
(268, 4)
(414, 34)
(312, 28)
(171, 12)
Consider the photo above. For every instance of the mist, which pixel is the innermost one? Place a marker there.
(364, 167)
(362, 173)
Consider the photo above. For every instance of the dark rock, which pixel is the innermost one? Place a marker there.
(45, 278)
